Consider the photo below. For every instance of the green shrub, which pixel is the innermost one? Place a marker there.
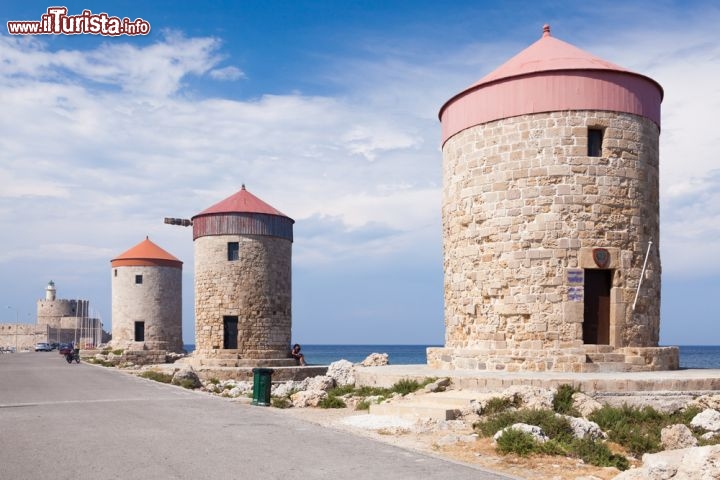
(105, 351)
(372, 391)
(214, 381)
(500, 404)
(517, 442)
(186, 383)
(102, 363)
(636, 429)
(363, 405)
(332, 402)
(280, 402)
(118, 352)
(563, 402)
(554, 427)
(341, 390)
(157, 376)
(597, 453)
(405, 386)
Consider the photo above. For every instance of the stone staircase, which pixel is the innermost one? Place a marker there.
(438, 406)
(604, 358)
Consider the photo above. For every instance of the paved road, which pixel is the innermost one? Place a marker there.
(61, 421)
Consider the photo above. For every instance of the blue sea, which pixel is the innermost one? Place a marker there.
(691, 356)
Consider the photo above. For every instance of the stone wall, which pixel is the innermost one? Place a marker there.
(523, 208)
(256, 288)
(22, 336)
(157, 301)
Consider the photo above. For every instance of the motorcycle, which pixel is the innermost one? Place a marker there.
(70, 356)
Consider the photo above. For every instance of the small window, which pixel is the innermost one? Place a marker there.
(595, 140)
(116, 272)
(233, 251)
(138, 279)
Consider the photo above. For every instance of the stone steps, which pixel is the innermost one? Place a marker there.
(437, 406)
(605, 357)
(604, 367)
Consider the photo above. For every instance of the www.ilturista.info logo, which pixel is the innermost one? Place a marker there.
(57, 22)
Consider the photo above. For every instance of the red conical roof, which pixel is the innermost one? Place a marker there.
(241, 202)
(146, 253)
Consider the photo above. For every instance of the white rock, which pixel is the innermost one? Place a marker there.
(321, 382)
(585, 404)
(437, 386)
(707, 420)
(706, 401)
(697, 463)
(536, 432)
(342, 372)
(677, 436)
(375, 360)
(285, 389)
(307, 398)
(188, 376)
(584, 428)
(532, 397)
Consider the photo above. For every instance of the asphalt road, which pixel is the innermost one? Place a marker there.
(60, 421)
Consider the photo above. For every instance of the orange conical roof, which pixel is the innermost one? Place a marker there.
(146, 253)
(241, 202)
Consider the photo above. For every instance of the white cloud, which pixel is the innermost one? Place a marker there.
(227, 73)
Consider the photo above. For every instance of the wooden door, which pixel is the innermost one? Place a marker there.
(230, 333)
(596, 317)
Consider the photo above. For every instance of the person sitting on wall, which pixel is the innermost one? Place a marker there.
(295, 353)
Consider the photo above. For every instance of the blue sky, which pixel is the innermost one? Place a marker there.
(327, 110)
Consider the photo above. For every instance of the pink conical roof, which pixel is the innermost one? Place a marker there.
(241, 202)
(547, 54)
(551, 75)
(145, 253)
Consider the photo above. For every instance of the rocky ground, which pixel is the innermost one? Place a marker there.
(452, 440)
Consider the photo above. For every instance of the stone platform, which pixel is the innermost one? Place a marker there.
(245, 373)
(695, 380)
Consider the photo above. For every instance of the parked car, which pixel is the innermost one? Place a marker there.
(54, 346)
(65, 348)
(43, 347)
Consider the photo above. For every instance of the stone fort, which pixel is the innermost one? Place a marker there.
(550, 214)
(58, 321)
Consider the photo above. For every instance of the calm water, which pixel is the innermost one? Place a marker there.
(691, 356)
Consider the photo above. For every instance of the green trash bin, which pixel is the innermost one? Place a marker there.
(262, 382)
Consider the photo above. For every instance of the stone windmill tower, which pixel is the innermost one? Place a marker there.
(550, 201)
(147, 299)
(243, 252)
